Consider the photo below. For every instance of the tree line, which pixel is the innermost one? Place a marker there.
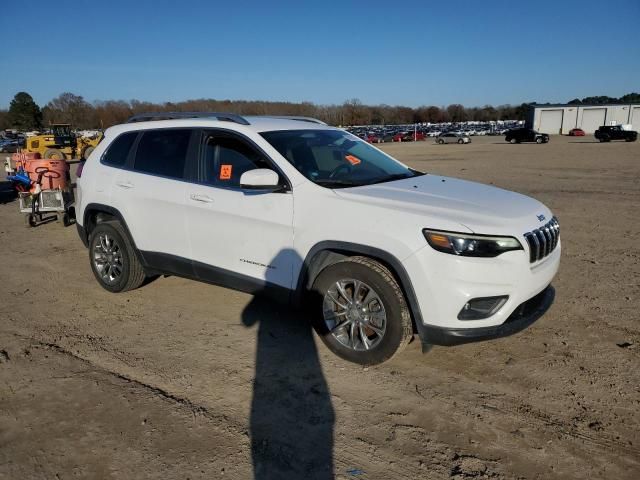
(25, 114)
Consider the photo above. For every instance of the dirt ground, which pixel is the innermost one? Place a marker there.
(175, 379)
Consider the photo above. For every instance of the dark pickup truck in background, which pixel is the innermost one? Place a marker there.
(615, 132)
(518, 135)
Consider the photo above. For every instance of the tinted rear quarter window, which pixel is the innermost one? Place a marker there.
(117, 153)
(163, 152)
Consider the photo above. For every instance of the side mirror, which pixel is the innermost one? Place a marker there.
(260, 179)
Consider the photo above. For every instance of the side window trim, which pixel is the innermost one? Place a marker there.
(207, 132)
(132, 153)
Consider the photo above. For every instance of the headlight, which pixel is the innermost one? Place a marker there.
(470, 245)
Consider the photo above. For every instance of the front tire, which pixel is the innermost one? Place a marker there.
(460, 141)
(441, 141)
(359, 311)
(113, 258)
(513, 141)
(538, 140)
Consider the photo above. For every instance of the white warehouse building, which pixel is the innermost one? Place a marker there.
(560, 119)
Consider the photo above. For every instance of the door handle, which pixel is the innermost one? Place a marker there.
(202, 198)
(125, 184)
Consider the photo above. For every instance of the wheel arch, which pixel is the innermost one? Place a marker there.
(326, 253)
(94, 213)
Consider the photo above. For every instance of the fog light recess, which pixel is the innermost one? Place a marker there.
(483, 307)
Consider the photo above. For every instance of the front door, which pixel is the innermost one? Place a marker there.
(241, 238)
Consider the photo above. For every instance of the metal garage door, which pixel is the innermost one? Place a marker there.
(592, 118)
(550, 121)
(635, 118)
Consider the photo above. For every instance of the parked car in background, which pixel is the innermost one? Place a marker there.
(410, 136)
(576, 132)
(401, 137)
(615, 132)
(10, 146)
(380, 137)
(519, 135)
(452, 137)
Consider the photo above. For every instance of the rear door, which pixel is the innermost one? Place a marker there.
(529, 135)
(241, 238)
(150, 194)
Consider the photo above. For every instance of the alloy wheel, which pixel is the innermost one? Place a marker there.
(107, 258)
(354, 314)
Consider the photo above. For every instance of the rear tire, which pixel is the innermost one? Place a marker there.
(441, 141)
(513, 141)
(64, 219)
(380, 324)
(30, 220)
(113, 258)
(87, 152)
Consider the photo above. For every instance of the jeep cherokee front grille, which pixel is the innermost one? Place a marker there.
(543, 240)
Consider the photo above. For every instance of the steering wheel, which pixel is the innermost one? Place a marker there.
(334, 173)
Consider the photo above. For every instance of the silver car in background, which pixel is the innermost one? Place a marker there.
(452, 138)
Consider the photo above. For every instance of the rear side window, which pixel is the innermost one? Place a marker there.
(117, 153)
(163, 152)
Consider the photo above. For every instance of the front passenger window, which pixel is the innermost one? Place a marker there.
(227, 158)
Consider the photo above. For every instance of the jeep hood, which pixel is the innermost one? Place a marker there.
(481, 208)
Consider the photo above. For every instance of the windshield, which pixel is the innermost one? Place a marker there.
(336, 159)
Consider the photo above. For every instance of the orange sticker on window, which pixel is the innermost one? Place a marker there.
(353, 160)
(225, 172)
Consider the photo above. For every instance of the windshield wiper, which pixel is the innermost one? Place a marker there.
(336, 183)
(397, 176)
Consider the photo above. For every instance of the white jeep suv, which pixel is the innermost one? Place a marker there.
(375, 251)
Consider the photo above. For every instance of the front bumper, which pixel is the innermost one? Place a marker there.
(523, 316)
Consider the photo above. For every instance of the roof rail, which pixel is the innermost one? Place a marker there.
(295, 117)
(223, 117)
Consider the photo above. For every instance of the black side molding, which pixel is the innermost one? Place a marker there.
(82, 233)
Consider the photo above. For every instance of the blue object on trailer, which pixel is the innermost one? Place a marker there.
(20, 177)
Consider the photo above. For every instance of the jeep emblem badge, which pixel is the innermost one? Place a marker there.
(541, 217)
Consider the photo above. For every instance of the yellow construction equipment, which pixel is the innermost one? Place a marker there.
(61, 143)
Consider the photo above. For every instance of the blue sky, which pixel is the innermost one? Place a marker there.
(324, 51)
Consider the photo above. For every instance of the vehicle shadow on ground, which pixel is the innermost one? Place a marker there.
(292, 418)
(7, 192)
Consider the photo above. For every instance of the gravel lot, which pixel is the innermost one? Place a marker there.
(173, 380)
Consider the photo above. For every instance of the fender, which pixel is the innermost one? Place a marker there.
(101, 208)
(305, 280)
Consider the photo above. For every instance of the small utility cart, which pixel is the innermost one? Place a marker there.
(36, 206)
(43, 187)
